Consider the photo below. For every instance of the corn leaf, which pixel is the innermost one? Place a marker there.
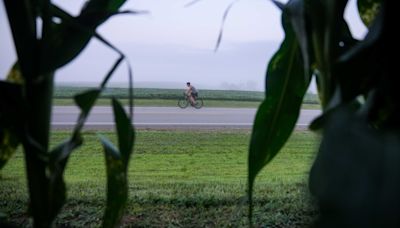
(117, 161)
(8, 145)
(58, 160)
(59, 155)
(326, 20)
(72, 34)
(277, 115)
(10, 119)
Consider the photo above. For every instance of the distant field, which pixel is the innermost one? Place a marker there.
(178, 179)
(174, 94)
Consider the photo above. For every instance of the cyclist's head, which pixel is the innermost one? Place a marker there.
(188, 83)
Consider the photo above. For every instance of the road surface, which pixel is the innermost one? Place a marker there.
(64, 117)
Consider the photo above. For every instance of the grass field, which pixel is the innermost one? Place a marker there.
(179, 179)
(173, 103)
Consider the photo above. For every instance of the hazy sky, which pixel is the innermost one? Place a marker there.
(174, 44)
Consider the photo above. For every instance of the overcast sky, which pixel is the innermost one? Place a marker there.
(174, 44)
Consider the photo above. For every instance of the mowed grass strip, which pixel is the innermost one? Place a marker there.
(164, 103)
(179, 179)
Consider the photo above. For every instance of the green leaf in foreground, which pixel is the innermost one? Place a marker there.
(87, 99)
(10, 113)
(117, 166)
(277, 115)
(8, 145)
(21, 16)
(72, 34)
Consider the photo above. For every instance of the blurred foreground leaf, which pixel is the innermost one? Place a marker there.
(356, 176)
(22, 19)
(8, 145)
(10, 113)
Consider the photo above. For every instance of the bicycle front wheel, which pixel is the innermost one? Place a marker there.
(183, 103)
(199, 103)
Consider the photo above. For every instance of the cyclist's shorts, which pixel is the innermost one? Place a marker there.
(195, 94)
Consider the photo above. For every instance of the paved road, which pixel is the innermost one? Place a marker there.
(64, 117)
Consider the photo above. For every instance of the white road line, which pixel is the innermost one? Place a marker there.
(153, 113)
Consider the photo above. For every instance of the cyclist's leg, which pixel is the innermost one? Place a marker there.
(192, 99)
(188, 97)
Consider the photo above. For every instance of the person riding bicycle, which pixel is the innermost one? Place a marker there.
(191, 92)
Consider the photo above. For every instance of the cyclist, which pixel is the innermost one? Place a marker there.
(191, 92)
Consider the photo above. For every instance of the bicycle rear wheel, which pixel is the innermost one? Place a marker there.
(183, 103)
(199, 103)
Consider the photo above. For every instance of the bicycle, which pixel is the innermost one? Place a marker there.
(184, 102)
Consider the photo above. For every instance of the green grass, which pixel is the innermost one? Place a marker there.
(179, 179)
(173, 103)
